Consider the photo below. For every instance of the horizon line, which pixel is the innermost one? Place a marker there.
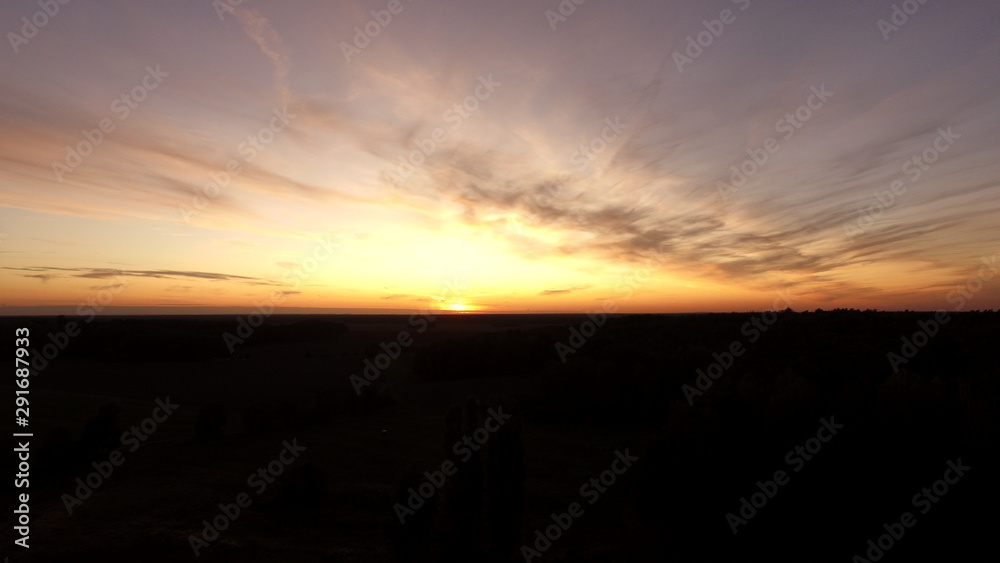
(168, 310)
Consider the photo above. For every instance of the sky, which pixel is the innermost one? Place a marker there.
(521, 156)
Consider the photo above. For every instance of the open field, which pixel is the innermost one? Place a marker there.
(622, 390)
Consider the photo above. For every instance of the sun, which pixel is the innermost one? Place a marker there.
(459, 307)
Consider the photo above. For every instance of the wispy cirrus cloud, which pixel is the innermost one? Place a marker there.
(49, 272)
(258, 28)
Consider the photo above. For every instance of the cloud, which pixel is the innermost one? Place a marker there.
(398, 296)
(561, 291)
(110, 287)
(49, 272)
(258, 28)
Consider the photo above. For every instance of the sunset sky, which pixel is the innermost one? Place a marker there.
(198, 154)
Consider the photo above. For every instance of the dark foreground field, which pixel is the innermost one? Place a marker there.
(804, 436)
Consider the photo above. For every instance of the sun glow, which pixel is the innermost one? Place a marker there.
(460, 307)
